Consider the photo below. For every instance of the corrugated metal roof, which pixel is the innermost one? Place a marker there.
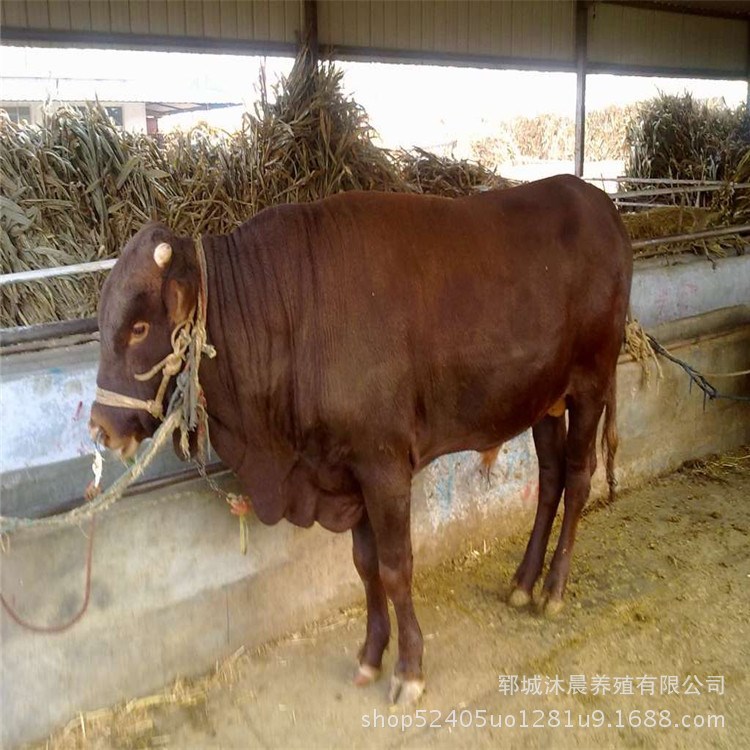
(537, 34)
(647, 36)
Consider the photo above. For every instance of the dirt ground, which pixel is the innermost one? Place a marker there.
(660, 588)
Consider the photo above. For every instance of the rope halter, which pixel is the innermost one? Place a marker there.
(169, 367)
(188, 345)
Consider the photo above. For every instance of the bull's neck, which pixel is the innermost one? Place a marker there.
(252, 363)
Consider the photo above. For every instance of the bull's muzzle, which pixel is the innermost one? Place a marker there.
(103, 432)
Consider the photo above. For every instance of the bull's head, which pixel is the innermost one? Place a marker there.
(151, 290)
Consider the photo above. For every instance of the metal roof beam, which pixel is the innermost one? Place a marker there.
(582, 17)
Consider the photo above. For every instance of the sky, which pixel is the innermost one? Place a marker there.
(408, 104)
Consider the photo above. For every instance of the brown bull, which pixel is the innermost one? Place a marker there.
(362, 336)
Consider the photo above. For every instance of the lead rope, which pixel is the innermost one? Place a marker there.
(84, 605)
(239, 505)
(186, 411)
(197, 415)
(181, 413)
(642, 347)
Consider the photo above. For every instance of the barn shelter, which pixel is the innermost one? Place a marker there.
(682, 38)
(203, 592)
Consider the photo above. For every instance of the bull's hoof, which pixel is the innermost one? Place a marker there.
(550, 606)
(405, 692)
(519, 598)
(366, 675)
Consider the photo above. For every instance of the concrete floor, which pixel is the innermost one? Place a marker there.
(659, 587)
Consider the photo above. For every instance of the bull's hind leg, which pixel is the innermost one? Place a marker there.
(387, 491)
(580, 452)
(365, 555)
(549, 441)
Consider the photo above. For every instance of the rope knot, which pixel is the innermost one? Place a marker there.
(239, 505)
(173, 363)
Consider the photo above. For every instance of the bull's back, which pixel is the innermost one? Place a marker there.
(461, 259)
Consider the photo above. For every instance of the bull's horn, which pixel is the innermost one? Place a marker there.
(162, 254)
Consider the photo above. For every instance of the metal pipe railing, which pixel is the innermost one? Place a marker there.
(667, 181)
(680, 190)
(56, 272)
(704, 235)
(41, 332)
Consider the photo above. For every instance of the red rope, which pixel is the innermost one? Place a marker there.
(84, 606)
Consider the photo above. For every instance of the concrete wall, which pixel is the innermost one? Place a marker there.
(46, 451)
(171, 592)
(685, 285)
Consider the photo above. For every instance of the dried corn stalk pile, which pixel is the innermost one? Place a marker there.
(678, 137)
(683, 138)
(606, 131)
(667, 220)
(76, 188)
(70, 191)
(452, 178)
(549, 136)
(733, 203)
(313, 142)
(676, 220)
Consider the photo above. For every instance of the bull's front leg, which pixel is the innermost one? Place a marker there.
(387, 492)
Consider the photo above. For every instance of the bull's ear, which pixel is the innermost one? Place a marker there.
(180, 289)
(180, 300)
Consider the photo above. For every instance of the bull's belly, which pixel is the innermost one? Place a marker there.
(310, 483)
(477, 440)
(481, 427)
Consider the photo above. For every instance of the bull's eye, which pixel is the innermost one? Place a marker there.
(138, 332)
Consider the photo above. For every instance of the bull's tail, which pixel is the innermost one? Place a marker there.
(609, 435)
